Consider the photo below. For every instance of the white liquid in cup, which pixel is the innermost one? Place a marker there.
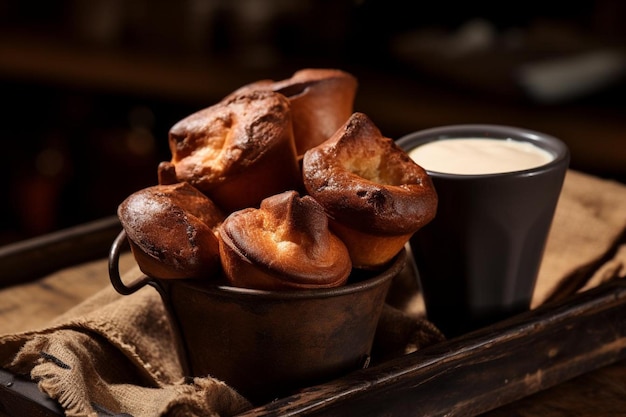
(479, 156)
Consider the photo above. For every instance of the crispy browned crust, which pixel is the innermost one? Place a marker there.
(365, 181)
(172, 230)
(375, 196)
(237, 151)
(322, 99)
(285, 244)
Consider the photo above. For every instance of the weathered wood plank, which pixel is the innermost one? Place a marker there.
(20, 397)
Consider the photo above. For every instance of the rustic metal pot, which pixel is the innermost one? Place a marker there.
(267, 344)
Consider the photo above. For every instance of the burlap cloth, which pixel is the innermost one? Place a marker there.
(114, 354)
(587, 241)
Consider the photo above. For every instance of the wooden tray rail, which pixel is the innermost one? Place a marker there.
(33, 258)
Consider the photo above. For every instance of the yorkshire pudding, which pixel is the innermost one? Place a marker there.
(172, 231)
(237, 151)
(321, 101)
(375, 196)
(284, 244)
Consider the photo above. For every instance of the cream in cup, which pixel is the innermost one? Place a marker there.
(479, 156)
(498, 187)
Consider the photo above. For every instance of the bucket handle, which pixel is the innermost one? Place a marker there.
(137, 284)
(114, 269)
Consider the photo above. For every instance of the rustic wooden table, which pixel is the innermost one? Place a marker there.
(470, 376)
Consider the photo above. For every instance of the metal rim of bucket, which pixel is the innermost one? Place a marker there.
(387, 272)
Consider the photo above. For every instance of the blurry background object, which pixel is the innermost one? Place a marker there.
(91, 88)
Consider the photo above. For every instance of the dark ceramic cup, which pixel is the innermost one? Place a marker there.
(478, 260)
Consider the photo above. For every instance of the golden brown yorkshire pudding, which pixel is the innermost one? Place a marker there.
(375, 196)
(284, 244)
(237, 151)
(321, 101)
(172, 231)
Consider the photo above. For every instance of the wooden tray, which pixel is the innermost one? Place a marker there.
(465, 376)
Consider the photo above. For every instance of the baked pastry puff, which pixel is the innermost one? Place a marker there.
(172, 230)
(285, 244)
(374, 194)
(237, 151)
(321, 101)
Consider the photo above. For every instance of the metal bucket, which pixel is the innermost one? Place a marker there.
(268, 344)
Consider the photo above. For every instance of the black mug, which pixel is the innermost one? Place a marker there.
(478, 260)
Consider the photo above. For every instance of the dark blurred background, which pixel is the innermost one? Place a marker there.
(91, 88)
